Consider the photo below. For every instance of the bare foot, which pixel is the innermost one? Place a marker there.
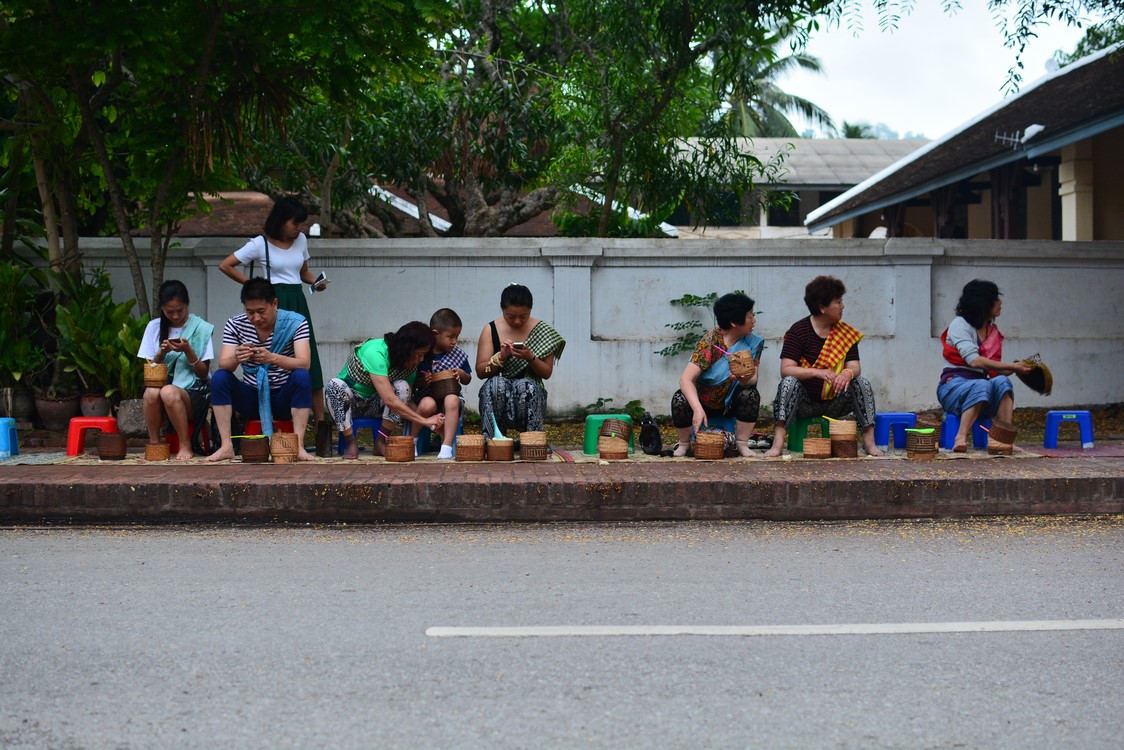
(351, 450)
(775, 451)
(303, 455)
(873, 450)
(960, 445)
(379, 448)
(184, 454)
(744, 450)
(224, 453)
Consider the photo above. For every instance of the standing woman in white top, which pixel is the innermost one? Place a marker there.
(282, 253)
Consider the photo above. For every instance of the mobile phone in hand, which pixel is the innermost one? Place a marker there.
(320, 284)
(518, 345)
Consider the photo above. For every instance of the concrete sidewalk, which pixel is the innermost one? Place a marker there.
(366, 491)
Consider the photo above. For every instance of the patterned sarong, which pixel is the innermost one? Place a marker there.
(833, 355)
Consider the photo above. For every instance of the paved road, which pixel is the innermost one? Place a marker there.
(203, 637)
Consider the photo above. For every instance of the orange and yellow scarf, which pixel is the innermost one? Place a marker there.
(834, 353)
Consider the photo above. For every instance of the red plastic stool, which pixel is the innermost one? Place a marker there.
(76, 435)
(253, 427)
(204, 437)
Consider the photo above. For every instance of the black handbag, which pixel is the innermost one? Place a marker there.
(651, 442)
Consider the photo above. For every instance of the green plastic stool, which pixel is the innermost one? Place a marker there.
(593, 427)
(798, 430)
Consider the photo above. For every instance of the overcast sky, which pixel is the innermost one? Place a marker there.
(929, 77)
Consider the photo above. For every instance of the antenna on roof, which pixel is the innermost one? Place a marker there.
(1017, 140)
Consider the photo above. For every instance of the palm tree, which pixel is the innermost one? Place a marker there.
(759, 108)
(856, 130)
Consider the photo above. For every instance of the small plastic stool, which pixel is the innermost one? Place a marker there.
(9, 438)
(951, 425)
(798, 430)
(729, 424)
(892, 421)
(1054, 421)
(204, 437)
(76, 435)
(253, 427)
(374, 424)
(593, 428)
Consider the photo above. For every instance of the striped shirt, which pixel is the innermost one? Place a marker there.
(802, 342)
(239, 330)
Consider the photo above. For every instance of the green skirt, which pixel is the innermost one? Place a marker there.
(291, 297)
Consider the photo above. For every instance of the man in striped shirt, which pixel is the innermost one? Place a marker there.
(272, 347)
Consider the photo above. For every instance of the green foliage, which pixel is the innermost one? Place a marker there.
(602, 405)
(691, 330)
(22, 360)
(98, 339)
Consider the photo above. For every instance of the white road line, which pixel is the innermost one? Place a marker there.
(887, 628)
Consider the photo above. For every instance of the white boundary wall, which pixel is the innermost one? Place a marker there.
(610, 300)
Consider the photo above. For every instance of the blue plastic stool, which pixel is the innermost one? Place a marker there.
(798, 430)
(1054, 421)
(593, 430)
(374, 424)
(9, 439)
(951, 425)
(729, 424)
(892, 421)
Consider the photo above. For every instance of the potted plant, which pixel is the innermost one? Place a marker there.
(98, 340)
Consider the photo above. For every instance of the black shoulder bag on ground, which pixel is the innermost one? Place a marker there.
(651, 442)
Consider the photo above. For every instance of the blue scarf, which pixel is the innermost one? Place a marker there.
(198, 333)
(719, 371)
(283, 331)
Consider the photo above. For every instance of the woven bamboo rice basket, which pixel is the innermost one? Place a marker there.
(710, 446)
(844, 448)
(838, 429)
(616, 428)
(742, 364)
(112, 446)
(444, 383)
(284, 447)
(399, 448)
(501, 450)
(254, 450)
(157, 452)
(1002, 432)
(612, 448)
(470, 448)
(920, 446)
(996, 448)
(532, 446)
(817, 447)
(155, 374)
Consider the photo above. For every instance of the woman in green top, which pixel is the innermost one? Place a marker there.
(378, 380)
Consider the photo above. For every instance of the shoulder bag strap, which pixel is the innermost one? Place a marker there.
(495, 338)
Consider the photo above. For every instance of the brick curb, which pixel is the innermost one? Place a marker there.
(526, 492)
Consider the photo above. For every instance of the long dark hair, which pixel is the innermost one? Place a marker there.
(976, 302)
(401, 344)
(283, 210)
(170, 290)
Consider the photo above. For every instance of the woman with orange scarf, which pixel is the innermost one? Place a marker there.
(821, 375)
(975, 384)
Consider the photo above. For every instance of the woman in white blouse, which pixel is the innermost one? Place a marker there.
(281, 252)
